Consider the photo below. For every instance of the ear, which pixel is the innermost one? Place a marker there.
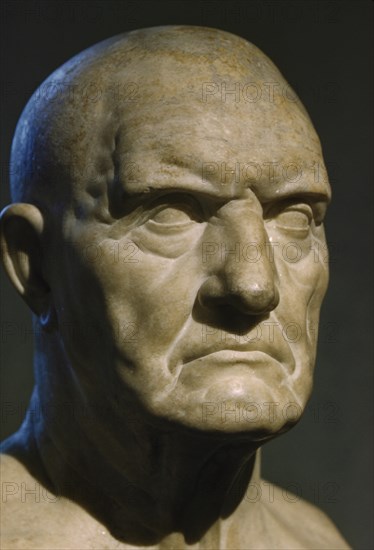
(21, 228)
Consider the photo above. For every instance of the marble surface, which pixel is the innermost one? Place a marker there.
(167, 233)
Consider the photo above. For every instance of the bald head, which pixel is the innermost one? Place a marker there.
(148, 159)
(76, 136)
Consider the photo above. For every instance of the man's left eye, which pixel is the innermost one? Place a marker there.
(295, 218)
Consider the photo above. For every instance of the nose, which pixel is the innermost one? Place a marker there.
(242, 273)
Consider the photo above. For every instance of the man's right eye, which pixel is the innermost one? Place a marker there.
(172, 215)
(169, 226)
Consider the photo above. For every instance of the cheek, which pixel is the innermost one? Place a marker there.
(148, 299)
(303, 286)
(81, 307)
(303, 278)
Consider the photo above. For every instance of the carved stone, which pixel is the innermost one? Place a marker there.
(167, 233)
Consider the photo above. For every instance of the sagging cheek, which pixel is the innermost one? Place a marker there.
(303, 266)
(142, 296)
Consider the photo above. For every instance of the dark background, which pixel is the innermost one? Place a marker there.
(324, 51)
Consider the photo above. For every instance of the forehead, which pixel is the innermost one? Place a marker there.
(215, 124)
(219, 147)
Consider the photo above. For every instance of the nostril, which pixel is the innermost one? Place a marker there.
(251, 299)
(211, 292)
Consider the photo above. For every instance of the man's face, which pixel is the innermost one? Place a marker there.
(198, 292)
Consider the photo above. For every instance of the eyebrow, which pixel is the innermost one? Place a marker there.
(317, 193)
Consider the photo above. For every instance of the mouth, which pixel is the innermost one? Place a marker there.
(232, 357)
(233, 368)
(229, 356)
(234, 362)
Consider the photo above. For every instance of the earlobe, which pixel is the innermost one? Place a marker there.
(21, 228)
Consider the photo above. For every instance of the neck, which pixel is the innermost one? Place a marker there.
(143, 481)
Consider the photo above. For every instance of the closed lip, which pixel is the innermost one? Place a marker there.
(232, 357)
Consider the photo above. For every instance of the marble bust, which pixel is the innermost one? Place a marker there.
(167, 233)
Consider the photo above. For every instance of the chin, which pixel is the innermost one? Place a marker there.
(236, 429)
(250, 407)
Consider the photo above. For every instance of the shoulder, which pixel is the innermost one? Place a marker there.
(300, 520)
(22, 482)
(33, 517)
(270, 517)
(24, 502)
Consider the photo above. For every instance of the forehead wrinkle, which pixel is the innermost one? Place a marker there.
(170, 167)
(215, 135)
(175, 178)
(167, 164)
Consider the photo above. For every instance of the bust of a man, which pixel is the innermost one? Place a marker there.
(167, 233)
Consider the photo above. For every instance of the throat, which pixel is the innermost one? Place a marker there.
(220, 487)
(191, 489)
(151, 487)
